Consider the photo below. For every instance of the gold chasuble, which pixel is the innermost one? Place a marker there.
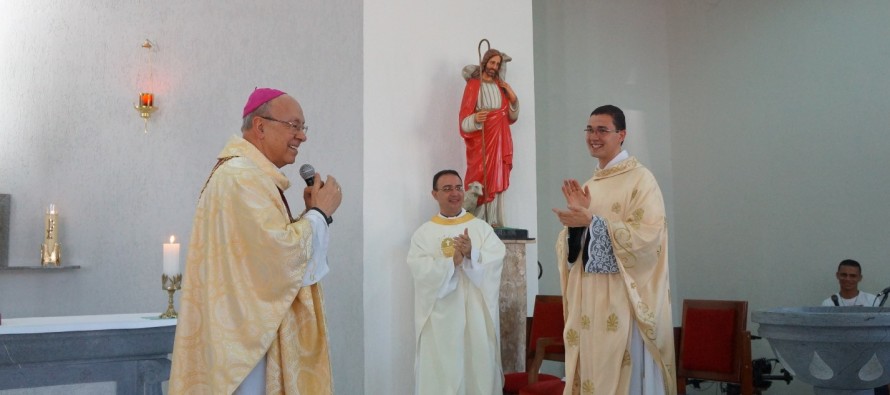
(600, 308)
(242, 294)
(456, 323)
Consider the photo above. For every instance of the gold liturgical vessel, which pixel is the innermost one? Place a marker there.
(51, 250)
(170, 284)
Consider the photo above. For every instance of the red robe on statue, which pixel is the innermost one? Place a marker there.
(491, 169)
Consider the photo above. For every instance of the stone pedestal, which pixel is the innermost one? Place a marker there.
(513, 306)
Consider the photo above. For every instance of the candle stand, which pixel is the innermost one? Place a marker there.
(170, 284)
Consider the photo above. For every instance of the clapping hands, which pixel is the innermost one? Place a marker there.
(462, 247)
(577, 201)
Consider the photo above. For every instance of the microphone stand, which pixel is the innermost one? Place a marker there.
(883, 295)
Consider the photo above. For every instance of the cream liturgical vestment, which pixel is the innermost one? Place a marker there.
(456, 320)
(243, 293)
(605, 303)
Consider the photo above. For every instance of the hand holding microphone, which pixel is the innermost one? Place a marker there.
(325, 196)
(307, 173)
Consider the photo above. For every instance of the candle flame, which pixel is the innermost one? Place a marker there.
(172, 239)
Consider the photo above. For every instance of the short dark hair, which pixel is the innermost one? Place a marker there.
(851, 263)
(613, 111)
(442, 173)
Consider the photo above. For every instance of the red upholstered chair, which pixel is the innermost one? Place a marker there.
(715, 344)
(544, 334)
(550, 387)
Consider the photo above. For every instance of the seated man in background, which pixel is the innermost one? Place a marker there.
(849, 274)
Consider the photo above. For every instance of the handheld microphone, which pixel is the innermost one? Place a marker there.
(308, 174)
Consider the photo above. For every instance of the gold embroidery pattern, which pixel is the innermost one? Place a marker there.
(622, 243)
(646, 315)
(587, 387)
(612, 323)
(585, 322)
(622, 234)
(572, 338)
(647, 318)
(650, 333)
(633, 195)
(626, 259)
(636, 217)
(448, 247)
(626, 360)
(616, 208)
(633, 285)
(621, 167)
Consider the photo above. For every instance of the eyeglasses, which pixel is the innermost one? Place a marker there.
(449, 188)
(600, 131)
(294, 127)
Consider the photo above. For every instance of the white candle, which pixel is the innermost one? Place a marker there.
(171, 258)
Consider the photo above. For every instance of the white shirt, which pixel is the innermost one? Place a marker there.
(863, 299)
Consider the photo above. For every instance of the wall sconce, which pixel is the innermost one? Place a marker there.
(146, 104)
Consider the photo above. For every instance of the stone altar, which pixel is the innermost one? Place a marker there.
(129, 349)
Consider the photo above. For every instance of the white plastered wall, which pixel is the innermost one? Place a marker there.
(414, 53)
(590, 54)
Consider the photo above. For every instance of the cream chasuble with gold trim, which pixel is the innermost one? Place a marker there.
(599, 307)
(242, 294)
(456, 333)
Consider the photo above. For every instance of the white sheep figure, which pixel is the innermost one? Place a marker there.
(471, 196)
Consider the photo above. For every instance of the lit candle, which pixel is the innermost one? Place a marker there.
(171, 258)
(146, 99)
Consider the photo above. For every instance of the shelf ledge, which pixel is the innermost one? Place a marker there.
(38, 268)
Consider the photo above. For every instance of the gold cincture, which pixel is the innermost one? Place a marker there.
(170, 284)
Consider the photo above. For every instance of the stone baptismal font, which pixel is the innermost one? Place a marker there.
(839, 350)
